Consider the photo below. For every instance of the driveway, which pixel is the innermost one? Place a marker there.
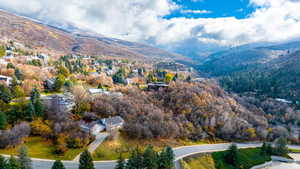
(100, 137)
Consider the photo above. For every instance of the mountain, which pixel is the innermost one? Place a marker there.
(44, 37)
(246, 57)
(271, 70)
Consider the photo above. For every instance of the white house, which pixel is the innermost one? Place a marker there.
(7, 80)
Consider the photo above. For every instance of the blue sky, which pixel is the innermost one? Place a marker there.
(215, 8)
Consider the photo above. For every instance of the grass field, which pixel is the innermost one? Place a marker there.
(247, 159)
(39, 148)
(203, 161)
(111, 149)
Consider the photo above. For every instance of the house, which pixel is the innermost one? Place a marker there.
(283, 101)
(64, 102)
(113, 123)
(5, 79)
(95, 92)
(49, 83)
(94, 127)
(157, 85)
(3, 62)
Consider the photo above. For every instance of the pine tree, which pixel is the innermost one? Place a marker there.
(3, 164)
(3, 121)
(121, 163)
(269, 149)
(281, 146)
(24, 159)
(29, 111)
(19, 74)
(166, 158)
(135, 160)
(231, 156)
(34, 95)
(263, 149)
(5, 94)
(58, 165)
(39, 108)
(13, 163)
(86, 161)
(150, 158)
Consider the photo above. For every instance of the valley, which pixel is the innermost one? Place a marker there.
(77, 99)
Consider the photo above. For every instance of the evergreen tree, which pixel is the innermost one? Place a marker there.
(19, 74)
(39, 108)
(135, 160)
(58, 165)
(59, 82)
(263, 149)
(34, 95)
(13, 163)
(3, 164)
(269, 149)
(29, 112)
(86, 161)
(166, 158)
(150, 158)
(24, 159)
(3, 121)
(121, 163)
(5, 94)
(231, 156)
(281, 146)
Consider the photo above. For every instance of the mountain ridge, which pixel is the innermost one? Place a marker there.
(35, 34)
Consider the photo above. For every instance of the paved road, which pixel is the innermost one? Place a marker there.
(96, 143)
(179, 154)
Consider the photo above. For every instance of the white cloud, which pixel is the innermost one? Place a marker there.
(143, 20)
(195, 11)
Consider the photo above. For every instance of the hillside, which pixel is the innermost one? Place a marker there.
(272, 70)
(51, 39)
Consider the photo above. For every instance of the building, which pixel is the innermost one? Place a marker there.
(5, 79)
(113, 123)
(62, 102)
(96, 92)
(49, 84)
(157, 85)
(94, 127)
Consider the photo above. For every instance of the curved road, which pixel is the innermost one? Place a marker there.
(179, 152)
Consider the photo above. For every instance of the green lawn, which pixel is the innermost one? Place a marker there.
(294, 151)
(202, 161)
(247, 159)
(111, 149)
(39, 148)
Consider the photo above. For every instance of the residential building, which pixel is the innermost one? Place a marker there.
(157, 85)
(113, 123)
(94, 127)
(6, 80)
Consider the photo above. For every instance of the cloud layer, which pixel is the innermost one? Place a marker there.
(143, 21)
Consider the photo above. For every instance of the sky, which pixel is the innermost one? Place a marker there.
(185, 26)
